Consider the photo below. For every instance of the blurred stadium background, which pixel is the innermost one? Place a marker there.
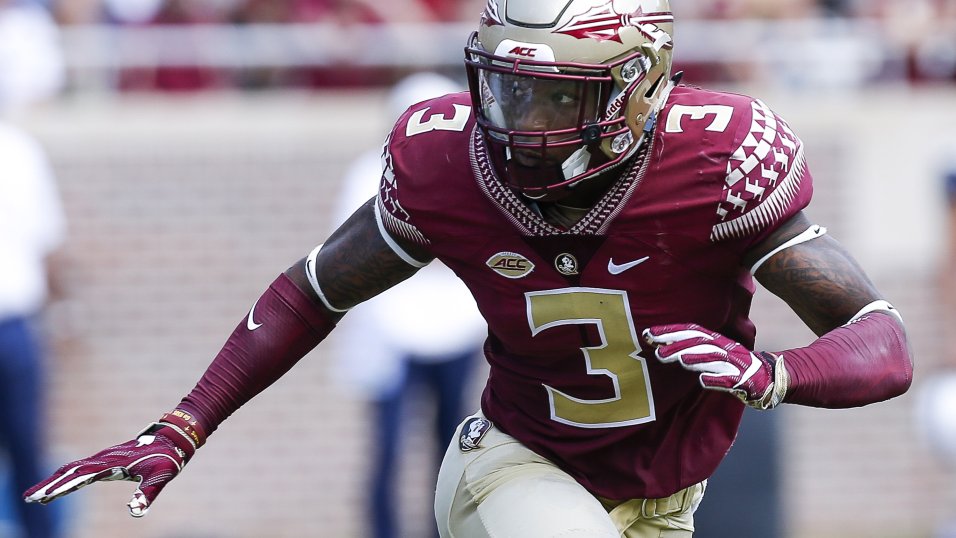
(199, 146)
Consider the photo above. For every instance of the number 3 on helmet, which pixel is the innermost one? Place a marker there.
(562, 90)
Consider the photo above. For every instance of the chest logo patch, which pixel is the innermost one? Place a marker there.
(510, 265)
(566, 264)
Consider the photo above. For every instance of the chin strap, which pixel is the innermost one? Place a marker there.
(577, 163)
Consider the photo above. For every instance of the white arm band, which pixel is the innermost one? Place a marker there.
(310, 274)
(812, 232)
(881, 305)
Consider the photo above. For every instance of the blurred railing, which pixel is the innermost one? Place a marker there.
(102, 47)
(829, 52)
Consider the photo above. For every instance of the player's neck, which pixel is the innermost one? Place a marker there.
(589, 191)
(566, 212)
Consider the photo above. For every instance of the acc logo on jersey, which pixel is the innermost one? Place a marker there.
(566, 264)
(472, 432)
(510, 264)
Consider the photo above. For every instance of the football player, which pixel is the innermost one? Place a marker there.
(610, 223)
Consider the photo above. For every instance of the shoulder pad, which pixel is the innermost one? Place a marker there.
(410, 177)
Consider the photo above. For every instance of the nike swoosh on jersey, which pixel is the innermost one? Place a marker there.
(250, 324)
(616, 269)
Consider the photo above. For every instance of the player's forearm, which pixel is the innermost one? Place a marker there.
(296, 313)
(283, 326)
(862, 362)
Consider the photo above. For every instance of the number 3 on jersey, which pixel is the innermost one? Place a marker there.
(718, 115)
(417, 124)
(629, 401)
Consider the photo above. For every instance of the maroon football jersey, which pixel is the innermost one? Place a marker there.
(570, 377)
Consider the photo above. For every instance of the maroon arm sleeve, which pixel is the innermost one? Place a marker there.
(862, 362)
(283, 325)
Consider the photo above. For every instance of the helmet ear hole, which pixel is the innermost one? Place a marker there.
(652, 91)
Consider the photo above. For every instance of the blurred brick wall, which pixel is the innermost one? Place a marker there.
(182, 211)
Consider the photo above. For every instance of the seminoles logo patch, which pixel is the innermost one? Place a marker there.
(472, 432)
(510, 265)
(566, 264)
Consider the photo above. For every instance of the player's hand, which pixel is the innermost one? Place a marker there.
(153, 459)
(759, 379)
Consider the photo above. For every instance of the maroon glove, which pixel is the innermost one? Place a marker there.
(154, 458)
(757, 378)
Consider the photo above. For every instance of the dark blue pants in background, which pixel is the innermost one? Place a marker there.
(444, 383)
(22, 424)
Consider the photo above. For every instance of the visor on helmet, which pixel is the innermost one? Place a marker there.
(537, 111)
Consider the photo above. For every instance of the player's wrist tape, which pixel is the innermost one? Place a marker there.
(781, 382)
(186, 424)
(185, 445)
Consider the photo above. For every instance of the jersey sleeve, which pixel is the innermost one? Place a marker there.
(425, 153)
(393, 218)
(767, 179)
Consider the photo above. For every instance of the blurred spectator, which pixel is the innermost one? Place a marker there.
(421, 338)
(912, 40)
(182, 78)
(779, 9)
(746, 9)
(341, 13)
(31, 227)
(455, 10)
(922, 31)
(836, 8)
(949, 276)
(934, 56)
(132, 11)
(936, 398)
(265, 11)
(947, 273)
(195, 75)
(31, 62)
(726, 69)
(73, 12)
(46, 4)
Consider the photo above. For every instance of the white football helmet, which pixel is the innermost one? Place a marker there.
(563, 90)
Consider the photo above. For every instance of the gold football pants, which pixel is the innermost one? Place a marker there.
(501, 489)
